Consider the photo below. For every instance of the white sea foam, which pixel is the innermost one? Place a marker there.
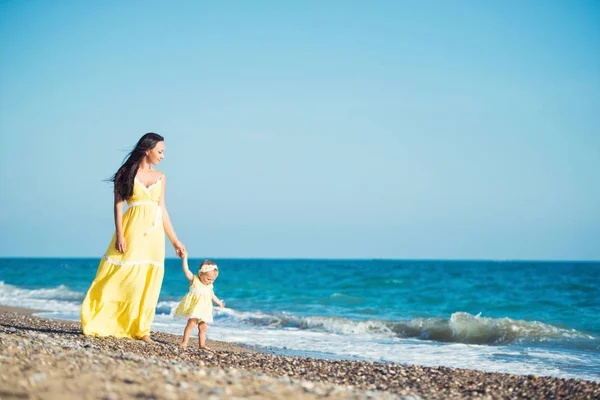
(461, 327)
(375, 340)
(365, 346)
(54, 299)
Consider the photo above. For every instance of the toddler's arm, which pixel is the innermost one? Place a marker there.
(186, 269)
(220, 303)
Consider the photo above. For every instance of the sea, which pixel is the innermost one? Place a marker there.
(520, 317)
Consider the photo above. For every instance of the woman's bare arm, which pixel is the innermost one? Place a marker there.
(168, 226)
(120, 243)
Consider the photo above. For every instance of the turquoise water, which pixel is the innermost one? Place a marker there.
(520, 317)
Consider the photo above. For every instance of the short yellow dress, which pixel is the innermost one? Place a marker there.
(198, 302)
(122, 299)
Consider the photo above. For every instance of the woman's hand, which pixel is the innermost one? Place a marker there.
(121, 244)
(179, 248)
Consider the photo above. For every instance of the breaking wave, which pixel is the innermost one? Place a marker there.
(461, 327)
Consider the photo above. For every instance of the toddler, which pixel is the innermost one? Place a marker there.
(197, 304)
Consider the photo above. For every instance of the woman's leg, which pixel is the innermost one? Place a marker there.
(147, 298)
(188, 331)
(147, 339)
(202, 326)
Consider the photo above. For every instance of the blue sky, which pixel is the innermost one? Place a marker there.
(309, 129)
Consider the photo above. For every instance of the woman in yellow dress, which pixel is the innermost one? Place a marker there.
(122, 298)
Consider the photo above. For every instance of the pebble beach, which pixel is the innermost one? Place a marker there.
(52, 359)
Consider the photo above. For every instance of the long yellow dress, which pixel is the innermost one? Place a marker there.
(122, 298)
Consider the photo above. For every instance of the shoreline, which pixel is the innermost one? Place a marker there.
(19, 310)
(51, 358)
(217, 345)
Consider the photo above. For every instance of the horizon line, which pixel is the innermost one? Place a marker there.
(499, 260)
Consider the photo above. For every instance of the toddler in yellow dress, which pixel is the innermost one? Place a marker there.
(197, 304)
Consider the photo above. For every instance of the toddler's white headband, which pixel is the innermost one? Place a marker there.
(208, 267)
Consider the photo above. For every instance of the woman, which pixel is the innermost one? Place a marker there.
(122, 298)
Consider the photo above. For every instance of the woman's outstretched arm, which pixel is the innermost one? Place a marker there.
(177, 245)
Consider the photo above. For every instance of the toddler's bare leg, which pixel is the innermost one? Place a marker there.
(202, 326)
(188, 331)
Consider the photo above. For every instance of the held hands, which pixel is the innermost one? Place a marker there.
(121, 244)
(179, 248)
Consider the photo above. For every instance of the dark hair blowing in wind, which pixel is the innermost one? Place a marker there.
(124, 178)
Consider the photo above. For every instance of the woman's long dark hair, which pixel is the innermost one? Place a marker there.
(124, 178)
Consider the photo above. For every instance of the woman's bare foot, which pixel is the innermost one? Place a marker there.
(183, 344)
(147, 339)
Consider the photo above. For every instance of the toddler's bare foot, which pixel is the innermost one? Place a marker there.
(205, 348)
(147, 339)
